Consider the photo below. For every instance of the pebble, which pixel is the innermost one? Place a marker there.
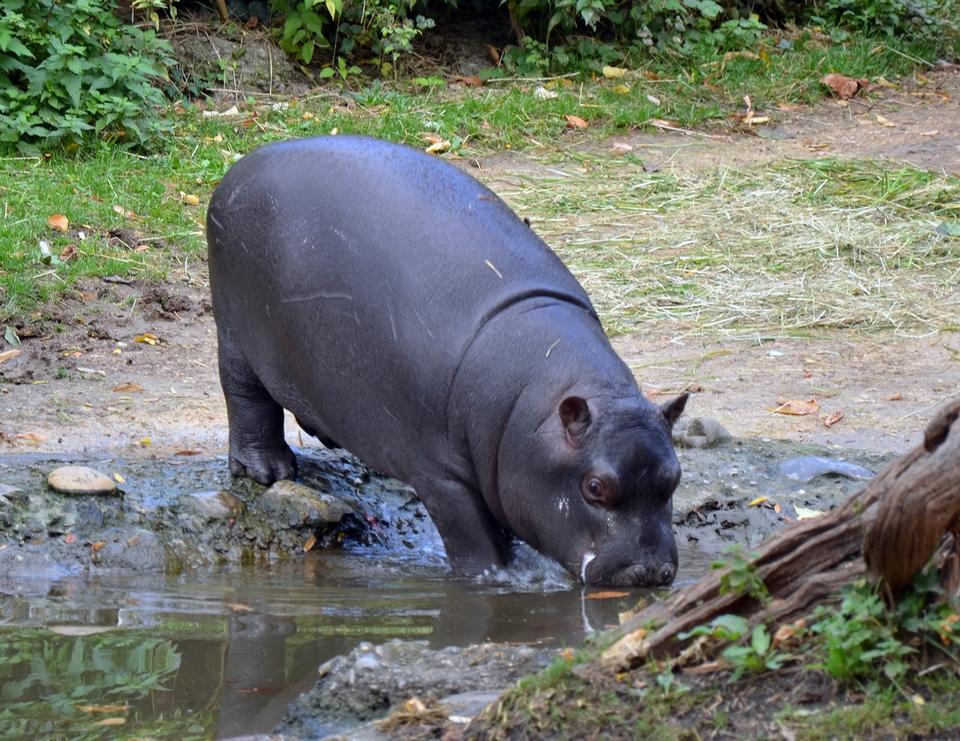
(298, 505)
(214, 505)
(80, 480)
(700, 432)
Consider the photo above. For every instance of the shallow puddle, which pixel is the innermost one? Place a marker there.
(223, 652)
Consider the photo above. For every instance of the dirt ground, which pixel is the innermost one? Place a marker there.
(84, 383)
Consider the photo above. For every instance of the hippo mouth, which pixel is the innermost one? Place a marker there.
(592, 573)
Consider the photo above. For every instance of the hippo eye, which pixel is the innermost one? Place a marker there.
(594, 491)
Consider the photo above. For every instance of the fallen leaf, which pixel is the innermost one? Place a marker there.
(469, 80)
(128, 388)
(797, 408)
(787, 631)
(70, 538)
(124, 212)
(240, 607)
(758, 501)
(803, 513)
(58, 222)
(895, 397)
(620, 149)
(191, 200)
(8, 355)
(932, 132)
(119, 479)
(575, 122)
(439, 147)
(494, 54)
(567, 654)
(660, 123)
(189, 451)
(884, 121)
(11, 336)
(310, 543)
(144, 442)
(842, 86)
(147, 338)
(832, 419)
(67, 252)
(918, 700)
(621, 89)
(103, 708)
(777, 508)
(607, 595)
(613, 73)
(34, 438)
(98, 546)
(711, 667)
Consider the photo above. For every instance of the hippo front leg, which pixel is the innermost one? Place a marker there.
(471, 536)
(258, 449)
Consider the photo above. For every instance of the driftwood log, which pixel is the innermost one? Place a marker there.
(907, 514)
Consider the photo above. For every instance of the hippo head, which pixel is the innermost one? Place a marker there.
(592, 486)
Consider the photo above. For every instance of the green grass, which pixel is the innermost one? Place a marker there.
(574, 213)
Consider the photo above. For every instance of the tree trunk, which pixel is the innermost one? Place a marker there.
(892, 527)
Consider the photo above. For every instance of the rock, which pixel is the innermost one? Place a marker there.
(370, 680)
(80, 480)
(139, 551)
(294, 505)
(808, 467)
(213, 505)
(699, 432)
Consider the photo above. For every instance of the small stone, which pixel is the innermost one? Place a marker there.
(214, 505)
(295, 505)
(699, 432)
(80, 480)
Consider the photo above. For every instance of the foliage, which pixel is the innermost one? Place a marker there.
(863, 637)
(741, 578)
(933, 21)
(70, 67)
(386, 28)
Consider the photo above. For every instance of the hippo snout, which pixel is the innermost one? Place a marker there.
(640, 575)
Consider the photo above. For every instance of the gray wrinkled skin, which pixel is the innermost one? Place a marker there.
(401, 311)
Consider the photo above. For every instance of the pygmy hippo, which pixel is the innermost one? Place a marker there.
(400, 310)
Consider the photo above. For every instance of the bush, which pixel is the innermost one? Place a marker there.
(70, 68)
(933, 22)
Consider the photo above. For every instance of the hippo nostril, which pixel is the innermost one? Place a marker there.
(666, 573)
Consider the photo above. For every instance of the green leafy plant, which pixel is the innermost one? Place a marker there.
(741, 577)
(756, 656)
(306, 26)
(930, 20)
(71, 68)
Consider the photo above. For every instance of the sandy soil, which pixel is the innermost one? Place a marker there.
(83, 383)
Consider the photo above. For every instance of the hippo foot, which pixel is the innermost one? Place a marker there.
(264, 466)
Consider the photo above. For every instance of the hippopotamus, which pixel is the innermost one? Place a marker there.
(401, 311)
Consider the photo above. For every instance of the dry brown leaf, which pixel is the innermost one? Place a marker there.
(8, 355)
(758, 501)
(469, 80)
(439, 147)
(797, 407)
(895, 397)
(494, 54)
(310, 543)
(620, 149)
(98, 546)
(240, 607)
(607, 595)
(842, 86)
(58, 222)
(33, 438)
(884, 121)
(124, 212)
(575, 122)
(128, 388)
(786, 632)
(832, 419)
(190, 199)
(659, 123)
(147, 338)
(67, 252)
(189, 451)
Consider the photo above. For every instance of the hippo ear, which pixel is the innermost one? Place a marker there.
(674, 408)
(575, 415)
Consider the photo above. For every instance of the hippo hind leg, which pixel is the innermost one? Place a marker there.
(257, 446)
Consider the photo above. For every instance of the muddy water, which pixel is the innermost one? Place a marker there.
(231, 627)
(223, 652)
